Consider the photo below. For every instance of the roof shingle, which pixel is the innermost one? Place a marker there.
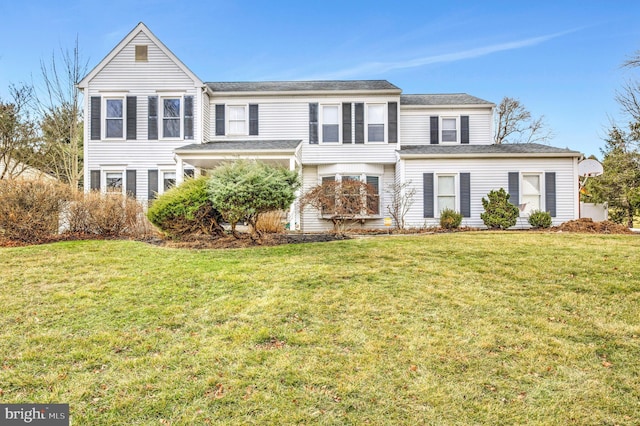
(295, 86)
(443, 99)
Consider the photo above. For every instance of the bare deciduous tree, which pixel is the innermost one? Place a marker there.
(18, 133)
(61, 108)
(401, 201)
(514, 124)
(342, 202)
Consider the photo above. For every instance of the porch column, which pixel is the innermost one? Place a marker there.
(179, 170)
(293, 213)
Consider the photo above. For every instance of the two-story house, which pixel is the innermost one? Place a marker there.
(150, 122)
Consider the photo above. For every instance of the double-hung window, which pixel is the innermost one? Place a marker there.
(237, 119)
(171, 118)
(446, 192)
(330, 123)
(449, 131)
(114, 118)
(355, 199)
(113, 182)
(375, 126)
(168, 180)
(531, 192)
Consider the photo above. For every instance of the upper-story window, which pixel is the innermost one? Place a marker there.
(237, 119)
(330, 123)
(376, 121)
(114, 123)
(171, 118)
(449, 129)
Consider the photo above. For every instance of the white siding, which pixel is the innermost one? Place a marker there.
(206, 118)
(158, 76)
(415, 124)
(288, 118)
(488, 174)
(311, 220)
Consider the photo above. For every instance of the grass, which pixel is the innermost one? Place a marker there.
(452, 329)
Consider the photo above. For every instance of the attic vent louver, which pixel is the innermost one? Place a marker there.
(141, 53)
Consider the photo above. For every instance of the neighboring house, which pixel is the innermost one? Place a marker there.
(150, 122)
(18, 170)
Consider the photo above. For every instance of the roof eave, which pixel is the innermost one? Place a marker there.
(494, 155)
(390, 92)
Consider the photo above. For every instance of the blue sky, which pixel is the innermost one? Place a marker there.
(560, 58)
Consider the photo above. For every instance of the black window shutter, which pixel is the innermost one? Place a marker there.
(253, 119)
(464, 129)
(152, 122)
(465, 194)
(132, 115)
(220, 120)
(189, 173)
(153, 184)
(359, 123)
(550, 192)
(96, 103)
(188, 117)
(95, 180)
(392, 109)
(346, 123)
(427, 194)
(131, 183)
(514, 188)
(435, 132)
(313, 123)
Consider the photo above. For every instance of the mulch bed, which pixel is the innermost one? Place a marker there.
(586, 225)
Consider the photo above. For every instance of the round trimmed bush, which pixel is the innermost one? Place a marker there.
(185, 210)
(499, 213)
(450, 219)
(540, 219)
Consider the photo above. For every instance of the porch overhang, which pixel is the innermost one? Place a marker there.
(208, 155)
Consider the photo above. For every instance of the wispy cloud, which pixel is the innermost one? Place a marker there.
(372, 68)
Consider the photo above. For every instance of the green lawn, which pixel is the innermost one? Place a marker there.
(450, 329)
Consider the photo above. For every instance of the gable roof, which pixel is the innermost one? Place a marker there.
(141, 27)
(502, 150)
(443, 99)
(304, 86)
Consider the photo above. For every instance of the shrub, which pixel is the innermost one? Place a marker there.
(499, 213)
(186, 209)
(450, 219)
(540, 219)
(243, 190)
(30, 210)
(106, 215)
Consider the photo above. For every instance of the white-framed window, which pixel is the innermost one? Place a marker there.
(168, 180)
(376, 120)
(330, 119)
(237, 120)
(531, 192)
(114, 182)
(114, 118)
(371, 199)
(446, 192)
(171, 117)
(449, 131)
